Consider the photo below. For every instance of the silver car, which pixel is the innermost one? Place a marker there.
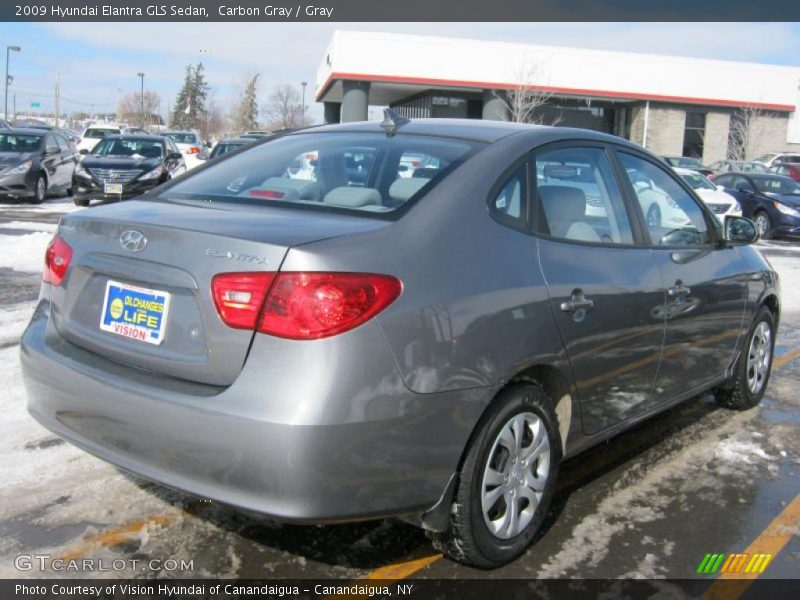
(352, 346)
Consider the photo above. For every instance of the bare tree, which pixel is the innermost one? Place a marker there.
(748, 135)
(284, 108)
(524, 101)
(212, 123)
(130, 108)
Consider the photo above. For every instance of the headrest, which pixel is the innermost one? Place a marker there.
(353, 197)
(405, 187)
(562, 203)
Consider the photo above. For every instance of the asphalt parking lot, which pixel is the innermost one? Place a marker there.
(650, 503)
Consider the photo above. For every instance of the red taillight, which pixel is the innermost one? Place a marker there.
(309, 306)
(193, 150)
(240, 296)
(56, 261)
(302, 306)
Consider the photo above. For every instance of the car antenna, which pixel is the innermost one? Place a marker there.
(392, 121)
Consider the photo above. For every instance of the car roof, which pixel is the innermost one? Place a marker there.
(468, 129)
(135, 136)
(26, 130)
(238, 140)
(766, 176)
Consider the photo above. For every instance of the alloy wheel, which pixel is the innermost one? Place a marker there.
(759, 357)
(515, 475)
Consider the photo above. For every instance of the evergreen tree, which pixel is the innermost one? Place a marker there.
(245, 114)
(190, 105)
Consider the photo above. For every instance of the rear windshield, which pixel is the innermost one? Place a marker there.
(16, 142)
(224, 148)
(182, 138)
(368, 172)
(129, 148)
(98, 134)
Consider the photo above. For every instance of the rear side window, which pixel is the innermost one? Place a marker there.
(344, 171)
(673, 216)
(579, 198)
(509, 205)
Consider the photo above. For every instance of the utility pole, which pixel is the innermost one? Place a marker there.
(58, 97)
(9, 50)
(141, 96)
(304, 84)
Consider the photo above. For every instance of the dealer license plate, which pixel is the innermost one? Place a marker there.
(112, 188)
(135, 312)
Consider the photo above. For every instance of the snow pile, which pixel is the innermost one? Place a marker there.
(734, 451)
(24, 253)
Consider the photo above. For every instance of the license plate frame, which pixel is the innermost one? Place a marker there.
(112, 188)
(138, 313)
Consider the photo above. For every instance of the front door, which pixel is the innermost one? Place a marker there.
(605, 291)
(706, 293)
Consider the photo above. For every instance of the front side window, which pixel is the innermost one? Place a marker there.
(674, 218)
(579, 198)
(349, 171)
(779, 187)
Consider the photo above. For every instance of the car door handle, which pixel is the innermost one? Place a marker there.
(678, 290)
(577, 302)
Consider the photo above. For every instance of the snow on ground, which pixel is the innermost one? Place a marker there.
(59, 205)
(29, 225)
(24, 253)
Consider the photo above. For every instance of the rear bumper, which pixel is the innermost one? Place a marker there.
(303, 458)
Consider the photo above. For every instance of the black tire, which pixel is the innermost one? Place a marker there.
(654, 216)
(39, 189)
(80, 201)
(767, 234)
(738, 394)
(469, 539)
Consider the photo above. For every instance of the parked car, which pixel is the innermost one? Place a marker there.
(772, 159)
(227, 145)
(190, 145)
(94, 133)
(787, 170)
(427, 347)
(735, 166)
(35, 163)
(688, 162)
(122, 166)
(256, 134)
(772, 201)
(715, 198)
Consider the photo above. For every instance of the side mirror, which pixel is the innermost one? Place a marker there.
(739, 231)
(202, 156)
(83, 151)
(175, 156)
(52, 150)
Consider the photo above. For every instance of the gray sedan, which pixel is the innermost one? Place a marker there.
(330, 344)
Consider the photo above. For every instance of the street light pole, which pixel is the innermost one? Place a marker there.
(141, 96)
(304, 84)
(9, 50)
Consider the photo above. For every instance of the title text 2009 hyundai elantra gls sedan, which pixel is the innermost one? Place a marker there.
(321, 347)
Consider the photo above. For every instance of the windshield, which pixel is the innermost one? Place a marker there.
(15, 142)
(684, 161)
(369, 172)
(224, 148)
(129, 148)
(698, 182)
(99, 134)
(182, 138)
(783, 187)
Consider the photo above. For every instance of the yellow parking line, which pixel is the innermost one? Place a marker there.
(771, 541)
(114, 537)
(401, 570)
(786, 358)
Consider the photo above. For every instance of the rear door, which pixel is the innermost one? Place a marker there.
(704, 285)
(605, 290)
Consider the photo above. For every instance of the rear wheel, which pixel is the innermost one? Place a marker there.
(763, 225)
(752, 370)
(506, 480)
(40, 189)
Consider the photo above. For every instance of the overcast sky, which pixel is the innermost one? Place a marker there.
(97, 61)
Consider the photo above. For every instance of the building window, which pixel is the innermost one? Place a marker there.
(693, 134)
